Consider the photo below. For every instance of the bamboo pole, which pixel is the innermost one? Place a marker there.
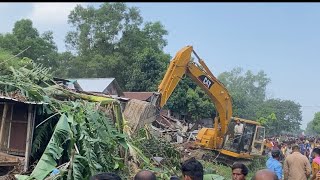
(3, 122)
(29, 137)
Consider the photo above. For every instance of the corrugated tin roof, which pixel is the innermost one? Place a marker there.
(143, 96)
(93, 84)
(17, 100)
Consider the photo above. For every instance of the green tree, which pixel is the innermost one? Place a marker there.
(113, 41)
(280, 116)
(177, 102)
(146, 70)
(199, 105)
(97, 30)
(247, 90)
(8, 60)
(190, 100)
(41, 48)
(313, 127)
(65, 63)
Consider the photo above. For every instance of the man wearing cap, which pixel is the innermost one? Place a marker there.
(296, 166)
(273, 163)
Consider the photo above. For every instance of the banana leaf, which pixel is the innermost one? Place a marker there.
(53, 152)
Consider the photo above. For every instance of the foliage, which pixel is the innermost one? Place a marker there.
(247, 90)
(65, 63)
(313, 127)
(88, 132)
(199, 105)
(189, 99)
(178, 99)
(7, 60)
(112, 41)
(151, 147)
(157, 147)
(41, 138)
(40, 48)
(53, 150)
(148, 66)
(280, 116)
(265, 121)
(226, 172)
(86, 140)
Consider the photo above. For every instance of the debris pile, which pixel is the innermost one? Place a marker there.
(173, 130)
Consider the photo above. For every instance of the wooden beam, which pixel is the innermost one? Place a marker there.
(18, 122)
(10, 124)
(9, 160)
(3, 120)
(30, 125)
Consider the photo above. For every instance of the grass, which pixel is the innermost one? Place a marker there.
(226, 171)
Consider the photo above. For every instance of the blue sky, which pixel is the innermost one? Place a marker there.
(282, 39)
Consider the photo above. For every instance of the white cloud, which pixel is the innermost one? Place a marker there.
(51, 14)
(53, 17)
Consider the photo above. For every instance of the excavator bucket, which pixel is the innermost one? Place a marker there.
(138, 113)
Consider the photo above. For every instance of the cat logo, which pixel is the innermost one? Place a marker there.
(206, 81)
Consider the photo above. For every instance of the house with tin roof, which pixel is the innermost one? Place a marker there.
(107, 86)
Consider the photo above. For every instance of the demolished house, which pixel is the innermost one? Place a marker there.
(18, 119)
(165, 124)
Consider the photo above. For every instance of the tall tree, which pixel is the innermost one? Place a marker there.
(112, 40)
(144, 72)
(313, 127)
(40, 48)
(280, 116)
(190, 100)
(247, 90)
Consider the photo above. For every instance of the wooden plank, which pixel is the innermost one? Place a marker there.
(9, 160)
(9, 137)
(9, 163)
(3, 120)
(29, 137)
(21, 122)
(12, 150)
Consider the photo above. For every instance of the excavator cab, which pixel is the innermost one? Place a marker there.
(250, 142)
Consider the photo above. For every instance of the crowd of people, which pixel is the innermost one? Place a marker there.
(192, 169)
(293, 158)
(289, 158)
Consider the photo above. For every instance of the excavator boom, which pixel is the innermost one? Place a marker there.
(177, 68)
(201, 75)
(221, 136)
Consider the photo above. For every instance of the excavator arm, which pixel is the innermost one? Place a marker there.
(183, 65)
(219, 138)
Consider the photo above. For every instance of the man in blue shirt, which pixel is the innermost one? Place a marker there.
(273, 163)
(302, 148)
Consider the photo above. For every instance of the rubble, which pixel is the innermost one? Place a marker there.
(173, 130)
(136, 119)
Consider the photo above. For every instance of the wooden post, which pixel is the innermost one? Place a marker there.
(3, 123)
(30, 125)
(10, 124)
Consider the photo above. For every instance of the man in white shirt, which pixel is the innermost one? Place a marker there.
(238, 128)
(238, 131)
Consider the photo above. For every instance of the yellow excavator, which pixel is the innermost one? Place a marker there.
(221, 138)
